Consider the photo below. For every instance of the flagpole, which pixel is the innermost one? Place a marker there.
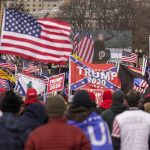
(1, 15)
(44, 98)
(69, 85)
(144, 65)
(149, 50)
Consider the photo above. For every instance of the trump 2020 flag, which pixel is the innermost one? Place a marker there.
(45, 40)
(93, 76)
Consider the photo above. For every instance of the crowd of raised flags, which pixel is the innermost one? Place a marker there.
(48, 41)
(43, 65)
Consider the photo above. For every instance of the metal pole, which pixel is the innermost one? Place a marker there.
(149, 50)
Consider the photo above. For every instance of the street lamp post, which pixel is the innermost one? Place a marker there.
(139, 52)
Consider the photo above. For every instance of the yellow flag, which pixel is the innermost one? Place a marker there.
(76, 57)
(7, 75)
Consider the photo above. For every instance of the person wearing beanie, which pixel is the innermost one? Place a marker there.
(57, 134)
(13, 132)
(107, 101)
(83, 115)
(116, 108)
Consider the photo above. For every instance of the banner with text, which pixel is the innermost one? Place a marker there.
(56, 83)
(93, 76)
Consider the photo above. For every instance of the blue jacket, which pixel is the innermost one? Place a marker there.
(96, 130)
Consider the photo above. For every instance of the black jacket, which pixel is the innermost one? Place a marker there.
(109, 114)
(34, 115)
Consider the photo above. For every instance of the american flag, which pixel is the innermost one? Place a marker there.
(45, 40)
(140, 85)
(75, 44)
(30, 68)
(4, 83)
(129, 57)
(8, 65)
(20, 88)
(85, 47)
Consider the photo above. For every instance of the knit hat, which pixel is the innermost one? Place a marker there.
(107, 95)
(82, 99)
(55, 106)
(11, 102)
(118, 97)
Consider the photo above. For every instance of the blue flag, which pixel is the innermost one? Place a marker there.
(96, 130)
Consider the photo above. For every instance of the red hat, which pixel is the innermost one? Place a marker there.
(31, 92)
(31, 96)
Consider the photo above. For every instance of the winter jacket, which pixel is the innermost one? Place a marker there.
(110, 114)
(13, 133)
(34, 115)
(57, 135)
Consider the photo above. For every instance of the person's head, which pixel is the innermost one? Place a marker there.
(100, 37)
(118, 97)
(107, 95)
(55, 106)
(31, 96)
(10, 102)
(93, 98)
(147, 98)
(82, 99)
(132, 98)
(31, 93)
(2, 91)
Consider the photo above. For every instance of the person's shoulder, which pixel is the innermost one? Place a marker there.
(146, 114)
(106, 112)
(74, 129)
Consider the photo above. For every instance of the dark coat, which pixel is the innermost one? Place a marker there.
(110, 114)
(13, 133)
(34, 115)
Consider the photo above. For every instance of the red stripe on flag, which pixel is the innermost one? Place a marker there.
(86, 49)
(132, 59)
(52, 45)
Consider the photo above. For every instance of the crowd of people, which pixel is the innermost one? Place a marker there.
(121, 122)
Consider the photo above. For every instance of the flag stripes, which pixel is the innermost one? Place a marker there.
(45, 39)
(129, 57)
(86, 48)
(3, 83)
(8, 66)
